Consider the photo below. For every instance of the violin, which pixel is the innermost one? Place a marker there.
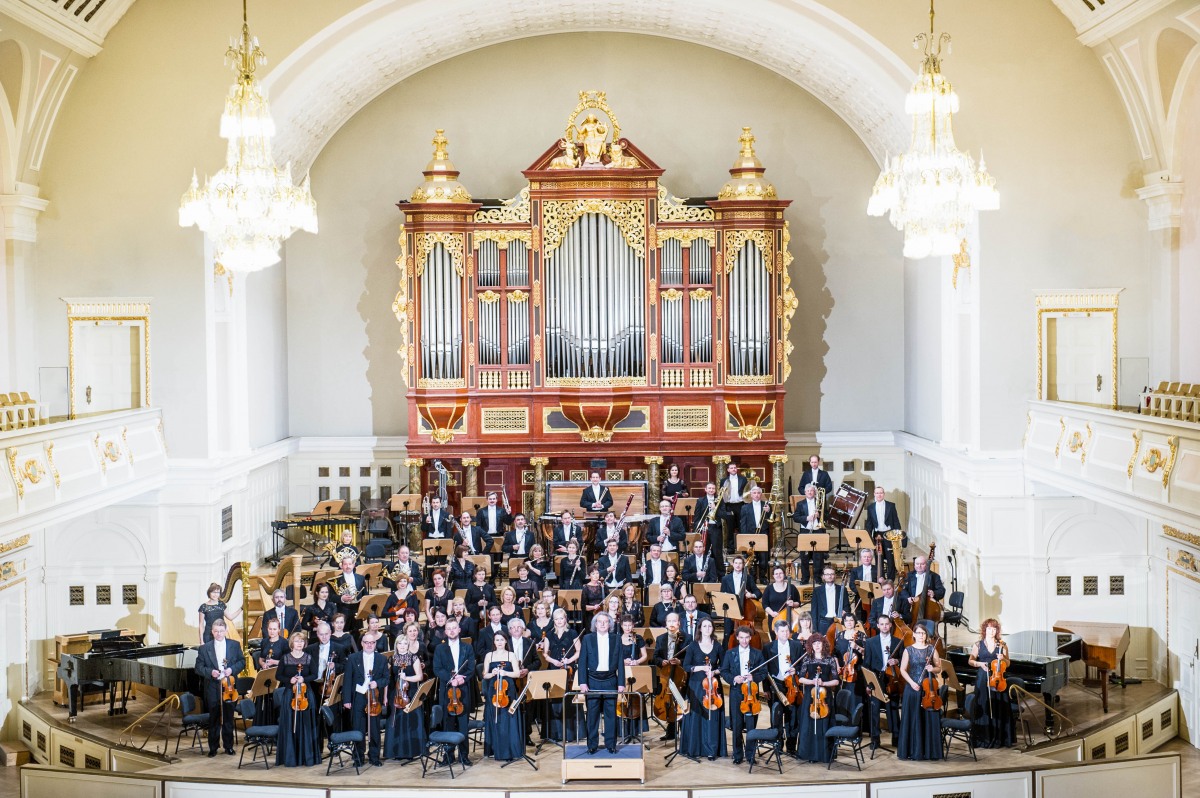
(712, 690)
(401, 699)
(374, 705)
(819, 707)
(996, 670)
(500, 698)
(895, 682)
(930, 697)
(454, 696)
(327, 687)
(300, 698)
(849, 672)
(751, 705)
(228, 685)
(794, 690)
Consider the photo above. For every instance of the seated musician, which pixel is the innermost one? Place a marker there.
(344, 549)
(865, 571)
(692, 615)
(350, 587)
(217, 659)
(550, 599)
(674, 485)
(406, 565)
(705, 518)
(322, 608)
(572, 569)
(881, 518)
(666, 529)
(665, 606)
(829, 601)
(633, 604)
(698, 566)
(739, 583)
(485, 639)
(785, 655)
(467, 625)
(519, 540)
(565, 531)
(816, 476)
(887, 605)
(539, 565)
(809, 514)
(375, 628)
(611, 530)
(654, 569)
(289, 619)
(474, 538)
(480, 595)
(525, 588)
(462, 570)
(668, 650)
(756, 520)
(492, 518)
(921, 582)
(596, 498)
(882, 652)
(615, 567)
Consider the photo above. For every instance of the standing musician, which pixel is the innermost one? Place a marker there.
(217, 659)
(738, 668)
(848, 648)
(667, 649)
(741, 584)
(816, 476)
(406, 738)
(366, 671)
(882, 652)
(674, 485)
(756, 520)
(921, 582)
(654, 568)
(503, 738)
(820, 670)
(297, 741)
(572, 569)
(329, 662)
(704, 727)
(733, 492)
(865, 571)
(523, 645)
(437, 523)
(788, 655)
(474, 538)
(595, 497)
(706, 518)
(781, 596)
(454, 666)
(565, 531)
(344, 549)
(289, 619)
(350, 587)
(400, 599)
(602, 669)
(993, 727)
(692, 616)
(322, 608)
(666, 529)
(492, 518)
(615, 567)
(888, 605)
(698, 566)
(809, 514)
(828, 601)
(462, 570)
(665, 606)
(611, 530)
(519, 540)
(561, 649)
(881, 519)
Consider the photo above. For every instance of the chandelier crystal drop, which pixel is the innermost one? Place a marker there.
(250, 206)
(932, 191)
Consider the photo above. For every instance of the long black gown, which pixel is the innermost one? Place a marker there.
(920, 729)
(264, 707)
(703, 730)
(211, 612)
(561, 648)
(405, 730)
(297, 744)
(812, 743)
(503, 731)
(993, 727)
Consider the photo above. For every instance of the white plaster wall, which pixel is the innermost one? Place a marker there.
(1189, 232)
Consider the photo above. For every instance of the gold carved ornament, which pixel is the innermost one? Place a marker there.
(517, 297)
(1062, 431)
(489, 297)
(1077, 443)
(32, 471)
(790, 303)
(11, 455)
(1137, 447)
(961, 261)
(49, 446)
(672, 295)
(502, 237)
(14, 543)
(673, 209)
(455, 244)
(125, 443)
(736, 239)
(1155, 460)
(686, 235)
(700, 294)
(1186, 537)
(515, 211)
(559, 215)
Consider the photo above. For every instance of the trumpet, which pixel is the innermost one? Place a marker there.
(504, 495)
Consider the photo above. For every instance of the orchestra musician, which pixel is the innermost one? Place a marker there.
(462, 570)
(756, 520)
(881, 518)
(820, 669)
(816, 476)
(217, 659)
(786, 657)
(633, 605)
(887, 605)
(733, 489)
(439, 595)
(692, 616)
(406, 739)
(436, 525)
(523, 643)
(808, 514)
(596, 498)
(865, 571)
(698, 566)
(571, 569)
(780, 595)
(289, 619)
(328, 662)
(593, 593)
(467, 625)
(561, 650)
(400, 599)
(480, 595)
(341, 640)
(849, 644)
(921, 581)
(741, 584)
(667, 649)
(345, 548)
(503, 733)
(474, 538)
(634, 653)
(492, 518)
(700, 523)
(518, 540)
(297, 744)
(739, 666)
(654, 567)
(614, 566)
(601, 671)
(525, 588)
(704, 729)
(674, 485)
(666, 529)
(211, 610)
(270, 650)
(322, 608)
(829, 601)
(611, 530)
(350, 587)
(538, 565)
(376, 628)
(880, 653)
(665, 606)
(994, 727)
(454, 666)
(565, 531)
(405, 564)
(920, 729)
(485, 638)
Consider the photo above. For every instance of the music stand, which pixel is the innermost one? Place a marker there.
(572, 602)
(860, 539)
(438, 547)
(751, 546)
(872, 681)
(329, 507)
(639, 679)
(730, 609)
(476, 503)
(483, 561)
(812, 542)
(371, 604)
(406, 507)
(866, 594)
(703, 591)
(546, 686)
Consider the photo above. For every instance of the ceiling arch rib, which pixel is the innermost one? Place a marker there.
(325, 81)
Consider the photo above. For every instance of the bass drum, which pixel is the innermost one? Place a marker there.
(847, 503)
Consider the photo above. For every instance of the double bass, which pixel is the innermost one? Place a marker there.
(926, 608)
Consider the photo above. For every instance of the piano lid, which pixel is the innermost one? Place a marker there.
(1035, 645)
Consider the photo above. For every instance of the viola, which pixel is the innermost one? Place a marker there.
(627, 707)
(300, 698)
(794, 690)
(751, 705)
(996, 671)
(712, 690)
(327, 687)
(819, 707)
(930, 697)
(228, 685)
(374, 705)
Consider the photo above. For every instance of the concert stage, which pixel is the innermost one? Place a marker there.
(96, 729)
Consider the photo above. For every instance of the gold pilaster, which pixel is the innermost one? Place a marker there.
(539, 486)
(472, 477)
(414, 474)
(777, 461)
(655, 480)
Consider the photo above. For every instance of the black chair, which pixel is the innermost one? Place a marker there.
(849, 733)
(259, 739)
(193, 722)
(341, 743)
(768, 740)
(954, 616)
(960, 728)
(440, 744)
(475, 732)
(375, 550)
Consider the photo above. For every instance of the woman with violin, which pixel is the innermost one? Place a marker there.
(921, 705)
(297, 744)
(400, 599)
(994, 719)
(703, 732)
(406, 730)
(462, 570)
(503, 731)
(572, 570)
(819, 676)
(480, 596)
(848, 648)
(561, 651)
(322, 608)
(439, 595)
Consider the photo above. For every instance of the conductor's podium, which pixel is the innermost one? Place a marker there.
(628, 762)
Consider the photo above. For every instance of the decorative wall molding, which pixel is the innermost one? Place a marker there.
(82, 32)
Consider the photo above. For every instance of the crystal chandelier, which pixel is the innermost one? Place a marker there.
(932, 191)
(250, 206)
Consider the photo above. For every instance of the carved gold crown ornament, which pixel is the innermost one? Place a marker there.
(746, 175)
(932, 191)
(250, 206)
(441, 178)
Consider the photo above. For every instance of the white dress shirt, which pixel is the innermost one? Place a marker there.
(491, 520)
(831, 601)
(454, 644)
(758, 512)
(785, 658)
(436, 518)
(602, 653)
(810, 509)
(220, 653)
(323, 658)
(743, 660)
(880, 515)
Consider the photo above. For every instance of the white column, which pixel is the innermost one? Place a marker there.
(18, 215)
(1171, 326)
(228, 400)
(960, 386)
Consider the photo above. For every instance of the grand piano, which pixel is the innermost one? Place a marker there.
(1104, 647)
(118, 660)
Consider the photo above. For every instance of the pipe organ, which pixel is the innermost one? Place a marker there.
(594, 311)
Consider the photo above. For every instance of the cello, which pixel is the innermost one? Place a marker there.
(670, 675)
(926, 608)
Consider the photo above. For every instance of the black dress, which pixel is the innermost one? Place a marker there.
(920, 729)
(993, 727)
(344, 645)
(314, 613)
(211, 612)
(813, 746)
(776, 600)
(561, 648)
(265, 706)
(503, 731)
(858, 687)
(476, 594)
(592, 594)
(298, 744)
(571, 573)
(461, 574)
(670, 488)
(405, 730)
(537, 573)
(703, 730)
(442, 601)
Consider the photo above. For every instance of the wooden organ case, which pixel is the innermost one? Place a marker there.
(594, 315)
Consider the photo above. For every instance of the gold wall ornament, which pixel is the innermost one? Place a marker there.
(49, 447)
(100, 453)
(1078, 443)
(1153, 460)
(686, 235)
(746, 175)
(1062, 431)
(515, 211)
(441, 383)
(125, 443)
(961, 261)
(502, 237)
(1028, 423)
(13, 544)
(1169, 531)
(1187, 561)
(1173, 443)
(32, 471)
(596, 435)
(454, 243)
(652, 294)
(592, 139)
(777, 458)
(489, 297)
(721, 459)
(736, 239)
(750, 432)
(537, 293)
(536, 236)
(517, 297)
(112, 451)
(162, 437)
(673, 209)
(441, 177)
(442, 435)
(790, 302)
(1137, 447)
(537, 348)
(672, 295)
(700, 294)
(11, 453)
(559, 215)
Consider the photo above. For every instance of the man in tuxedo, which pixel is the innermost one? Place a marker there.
(595, 497)
(366, 670)
(881, 519)
(668, 650)
(473, 537)
(614, 567)
(738, 667)
(691, 617)
(601, 669)
(518, 540)
(808, 515)
(700, 523)
(865, 571)
(437, 524)
(733, 488)
(740, 583)
(887, 605)
(454, 666)
(784, 654)
(654, 568)
(665, 606)
(921, 582)
(879, 653)
(523, 646)
(350, 587)
(288, 619)
(817, 477)
(493, 519)
(666, 529)
(756, 520)
(565, 531)
(698, 566)
(610, 530)
(404, 564)
(486, 636)
(828, 601)
(329, 665)
(217, 659)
